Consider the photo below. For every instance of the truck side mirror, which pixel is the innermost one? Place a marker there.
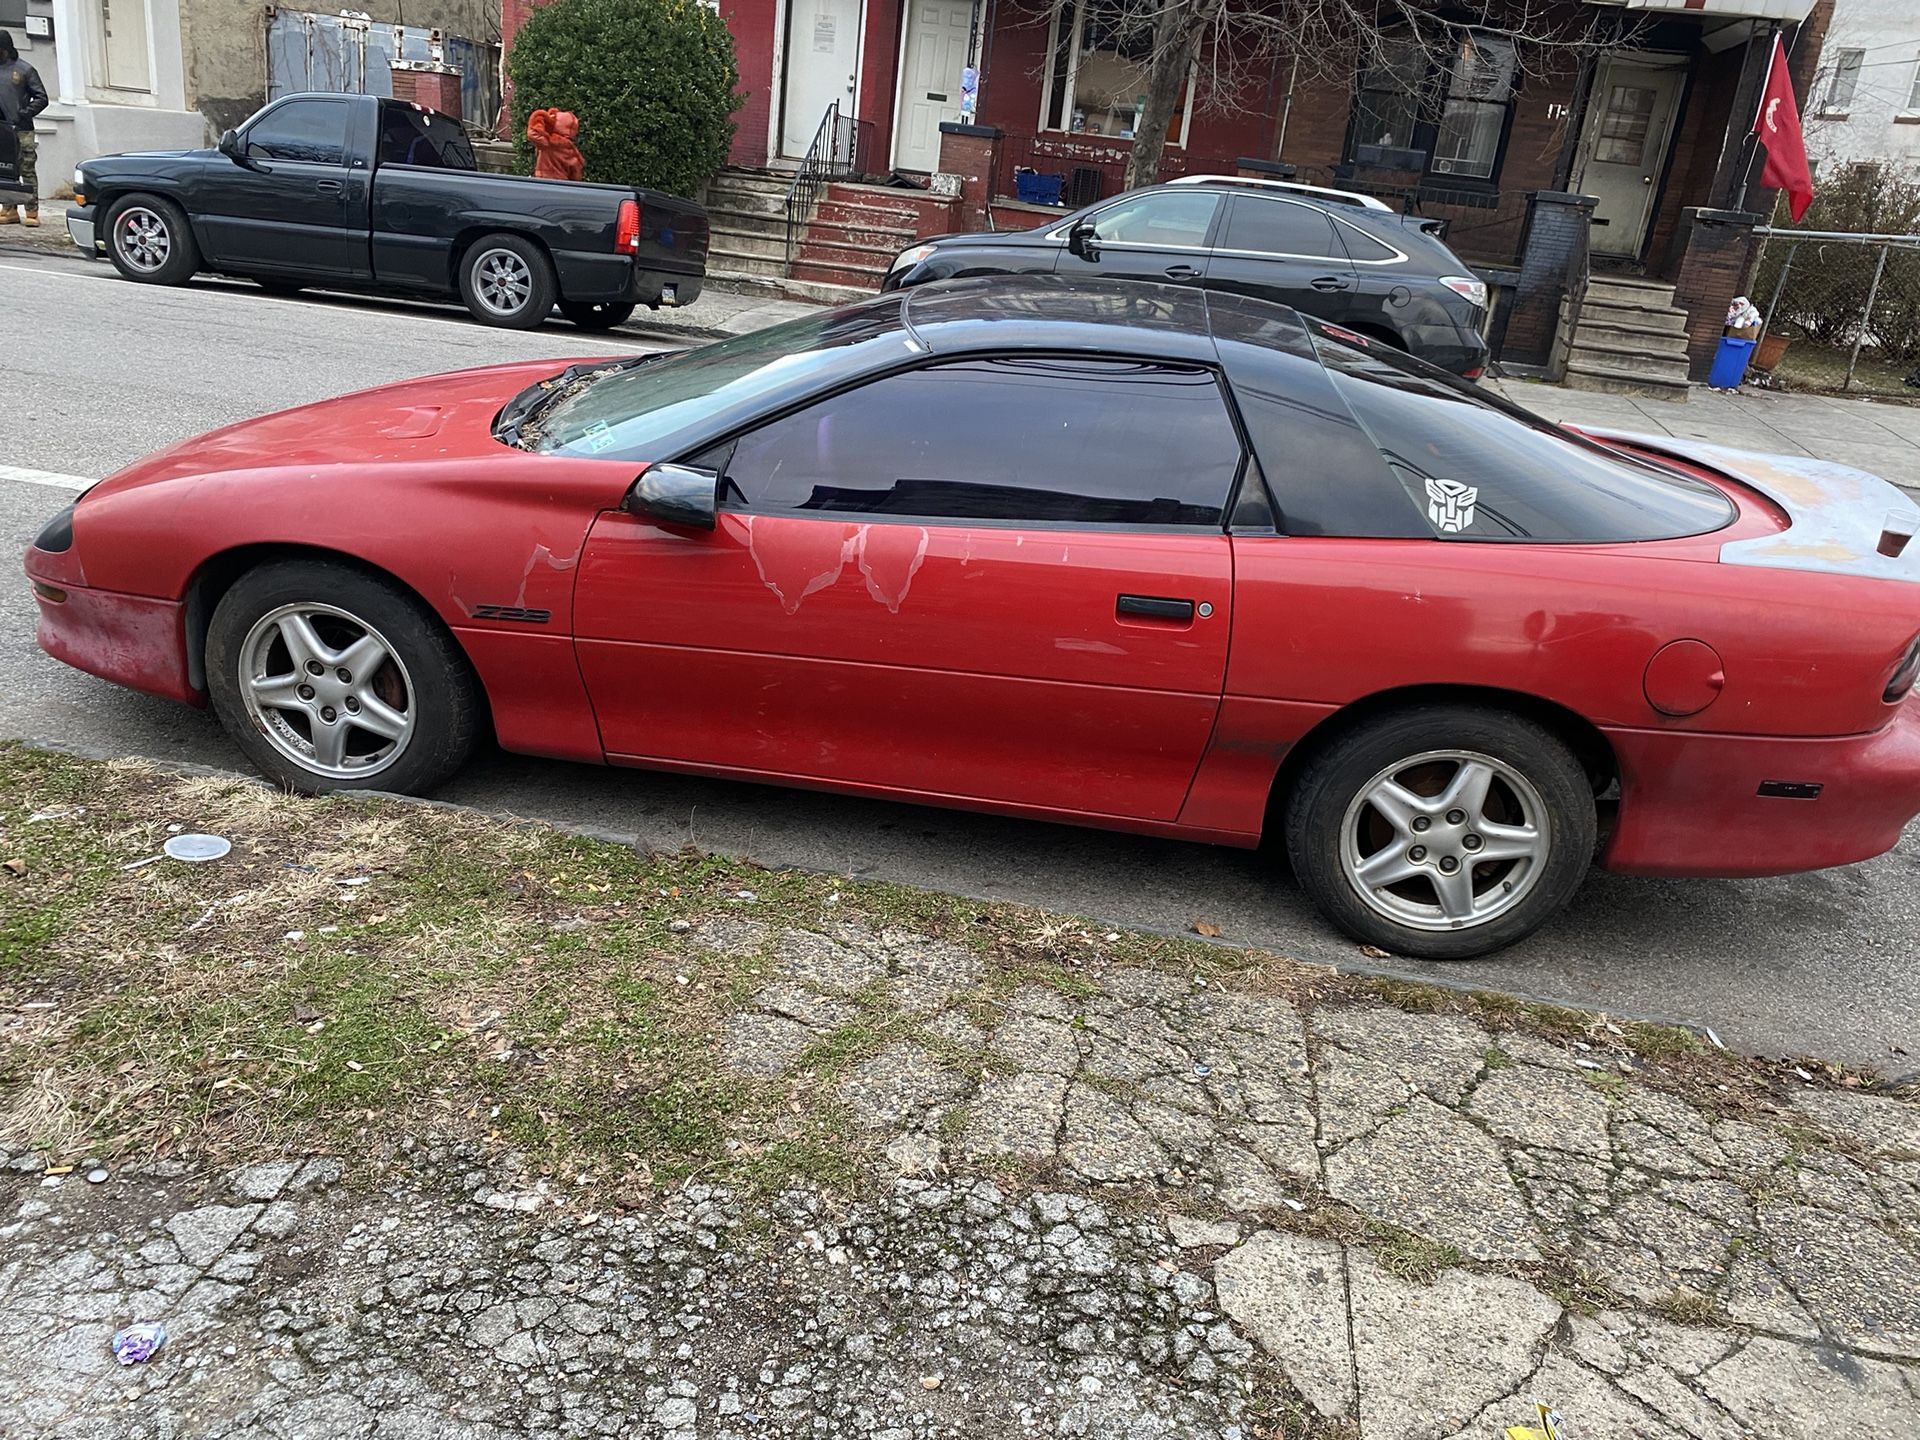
(680, 495)
(235, 150)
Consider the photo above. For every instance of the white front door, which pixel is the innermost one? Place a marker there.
(822, 66)
(936, 53)
(1629, 123)
(123, 26)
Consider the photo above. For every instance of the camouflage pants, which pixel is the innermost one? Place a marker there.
(29, 170)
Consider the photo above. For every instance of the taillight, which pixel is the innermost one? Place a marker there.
(1904, 674)
(1472, 289)
(1475, 373)
(626, 231)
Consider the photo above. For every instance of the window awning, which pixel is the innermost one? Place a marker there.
(1790, 11)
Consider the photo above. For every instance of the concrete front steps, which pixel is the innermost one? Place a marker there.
(747, 213)
(1631, 340)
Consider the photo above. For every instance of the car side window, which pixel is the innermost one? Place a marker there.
(420, 137)
(1101, 442)
(314, 131)
(1363, 247)
(1279, 227)
(1176, 219)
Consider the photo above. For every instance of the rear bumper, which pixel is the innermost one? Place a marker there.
(131, 640)
(619, 279)
(1690, 804)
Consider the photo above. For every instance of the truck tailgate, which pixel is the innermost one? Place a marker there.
(673, 234)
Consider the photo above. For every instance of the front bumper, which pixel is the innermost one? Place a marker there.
(132, 640)
(1690, 805)
(80, 230)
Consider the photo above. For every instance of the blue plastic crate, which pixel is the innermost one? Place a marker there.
(1033, 188)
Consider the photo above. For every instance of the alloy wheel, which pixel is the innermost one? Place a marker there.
(142, 238)
(328, 691)
(503, 281)
(1445, 840)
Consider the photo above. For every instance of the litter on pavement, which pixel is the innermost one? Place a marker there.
(137, 1343)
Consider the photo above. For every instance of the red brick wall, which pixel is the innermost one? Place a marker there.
(879, 79)
(752, 23)
(435, 89)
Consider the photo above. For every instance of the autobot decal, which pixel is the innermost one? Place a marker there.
(1450, 504)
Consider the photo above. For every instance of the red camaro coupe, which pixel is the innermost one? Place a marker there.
(1122, 555)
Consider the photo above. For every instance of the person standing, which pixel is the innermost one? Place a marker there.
(22, 97)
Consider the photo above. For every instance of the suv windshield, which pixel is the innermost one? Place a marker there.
(648, 413)
(1482, 470)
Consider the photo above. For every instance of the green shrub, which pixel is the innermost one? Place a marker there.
(1825, 296)
(651, 80)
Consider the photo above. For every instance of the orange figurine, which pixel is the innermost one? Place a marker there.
(556, 157)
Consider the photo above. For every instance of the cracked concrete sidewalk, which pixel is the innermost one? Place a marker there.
(1149, 1205)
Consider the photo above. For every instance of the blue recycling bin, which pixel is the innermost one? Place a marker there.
(1730, 363)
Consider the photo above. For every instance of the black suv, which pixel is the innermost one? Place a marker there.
(1344, 257)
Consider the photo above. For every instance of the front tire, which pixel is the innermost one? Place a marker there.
(508, 281)
(149, 241)
(330, 678)
(596, 317)
(1442, 831)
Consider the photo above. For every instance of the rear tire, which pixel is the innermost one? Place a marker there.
(150, 241)
(1442, 831)
(331, 678)
(596, 317)
(508, 281)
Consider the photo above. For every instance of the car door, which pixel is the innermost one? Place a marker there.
(1283, 250)
(1148, 235)
(300, 206)
(997, 580)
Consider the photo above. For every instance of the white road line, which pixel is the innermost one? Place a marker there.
(53, 480)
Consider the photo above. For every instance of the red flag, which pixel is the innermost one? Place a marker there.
(1778, 126)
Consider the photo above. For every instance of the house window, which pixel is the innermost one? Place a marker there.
(1097, 83)
(1845, 79)
(1442, 112)
(1913, 95)
(1479, 90)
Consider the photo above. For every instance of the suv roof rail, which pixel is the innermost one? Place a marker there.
(1321, 192)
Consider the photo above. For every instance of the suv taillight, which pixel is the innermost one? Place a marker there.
(1904, 674)
(1472, 289)
(626, 232)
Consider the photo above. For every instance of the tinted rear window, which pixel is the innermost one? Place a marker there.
(1484, 471)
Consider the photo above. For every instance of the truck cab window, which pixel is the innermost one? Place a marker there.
(421, 137)
(313, 131)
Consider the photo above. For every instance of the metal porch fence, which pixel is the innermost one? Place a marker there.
(350, 54)
(840, 150)
(1841, 312)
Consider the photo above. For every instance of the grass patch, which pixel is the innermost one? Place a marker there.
(1684, 1306)
(1410, 1257)
(1494, 1058)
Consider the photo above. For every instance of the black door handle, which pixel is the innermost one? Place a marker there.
(1157, 607)
(1330, 282)
(1181, 272)
(332, 186)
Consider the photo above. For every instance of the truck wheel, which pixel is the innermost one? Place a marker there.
(330, 678)
(149, 240)
(596, 317)
(508, 281)
(1442, 831)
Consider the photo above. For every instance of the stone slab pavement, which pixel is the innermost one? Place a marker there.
(1143, 1205)
(1881, 437)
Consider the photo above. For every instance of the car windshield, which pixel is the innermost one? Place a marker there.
(645, 413)
(1486, 470)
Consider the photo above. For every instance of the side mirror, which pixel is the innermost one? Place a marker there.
(232, 147)
(676, 495)
(1083, 240)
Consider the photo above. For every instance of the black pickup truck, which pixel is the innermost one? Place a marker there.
(355, 192)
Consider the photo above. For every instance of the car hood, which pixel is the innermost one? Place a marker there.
(1037, 238)
(1840, 520)
(437, 417)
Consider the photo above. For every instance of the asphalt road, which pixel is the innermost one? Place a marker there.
(96, 372)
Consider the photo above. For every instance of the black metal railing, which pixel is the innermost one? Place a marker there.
(838, 152)
(1078, 169)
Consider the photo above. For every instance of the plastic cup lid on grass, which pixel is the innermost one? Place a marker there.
(196, 848)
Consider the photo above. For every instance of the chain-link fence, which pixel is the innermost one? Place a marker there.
(1842, 312)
